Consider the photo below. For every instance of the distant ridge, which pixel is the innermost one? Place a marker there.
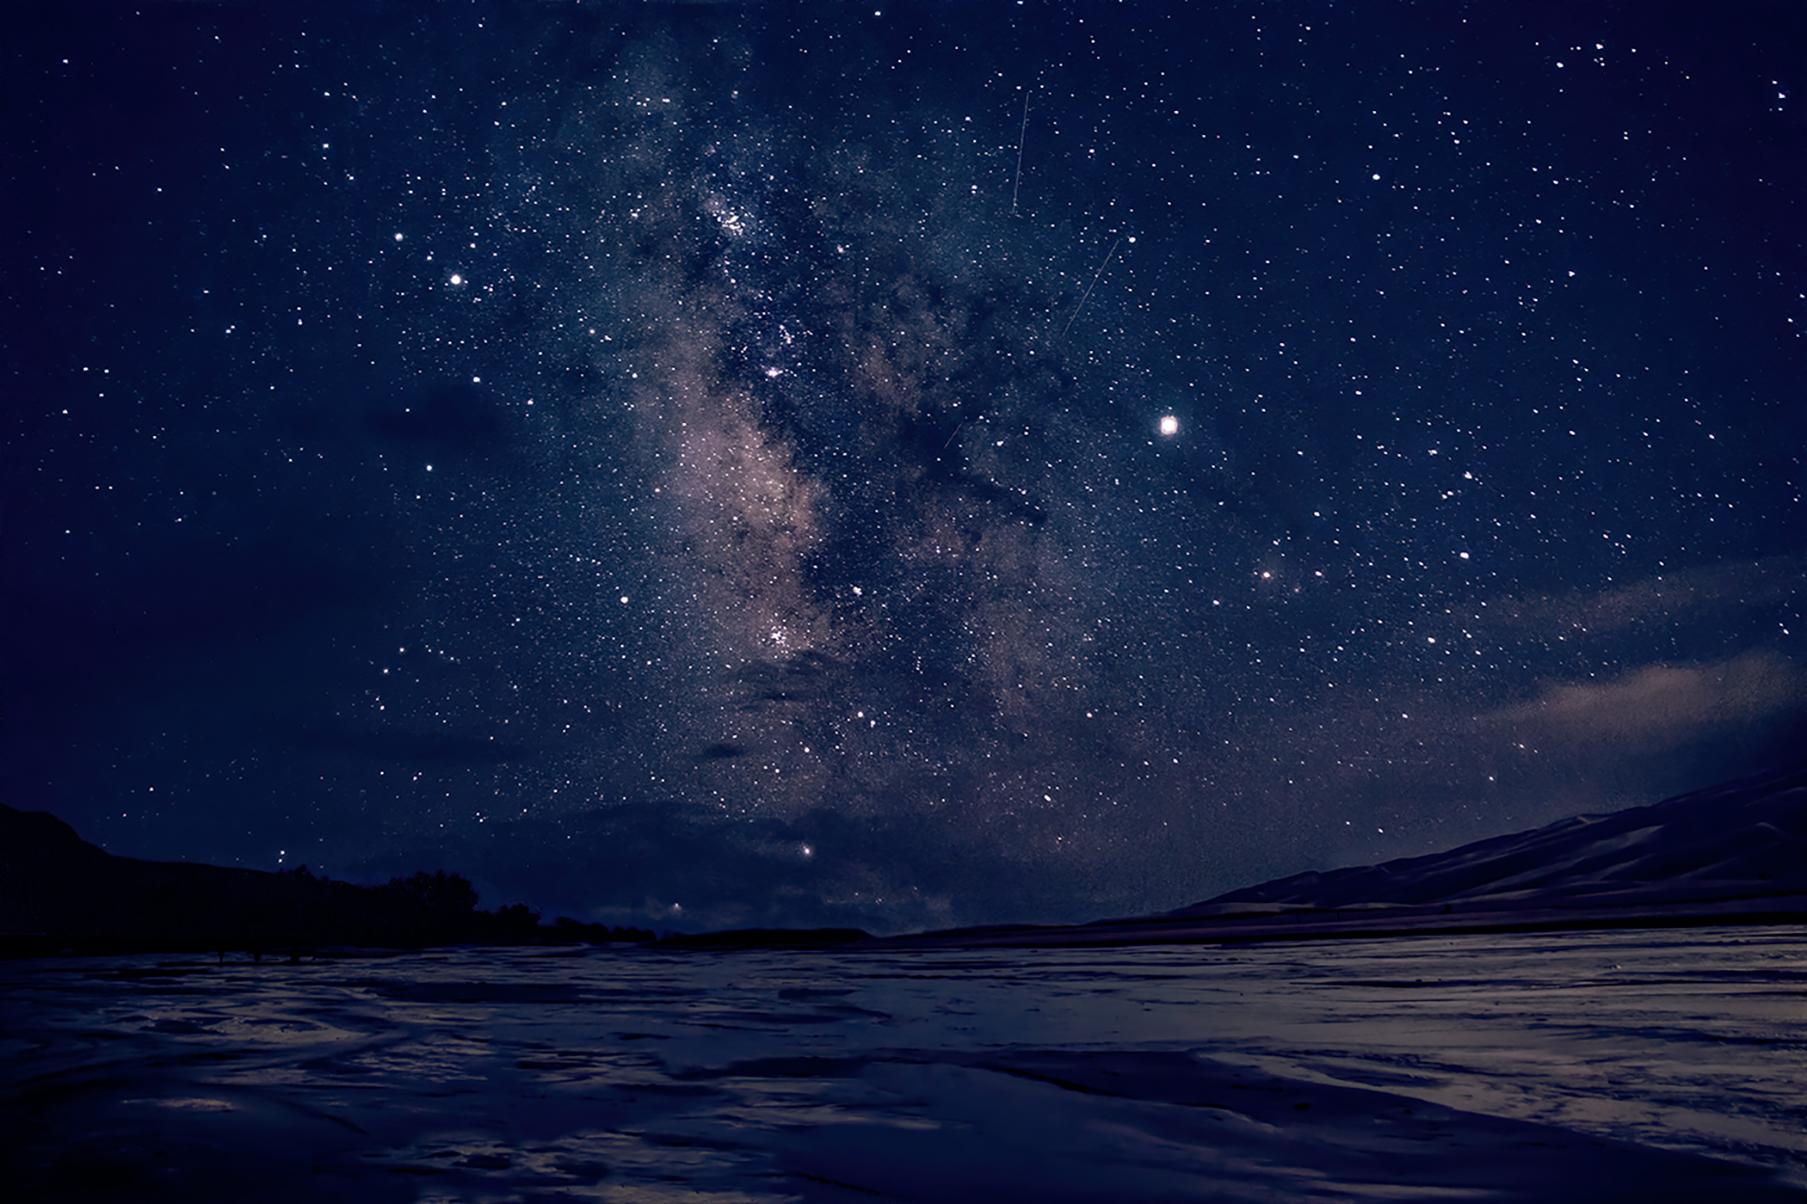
(1735, 853)
(1731, 854)
(1745, 837)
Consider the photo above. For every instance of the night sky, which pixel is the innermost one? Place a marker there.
(895, 465)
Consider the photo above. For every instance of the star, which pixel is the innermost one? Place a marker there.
(861, 423)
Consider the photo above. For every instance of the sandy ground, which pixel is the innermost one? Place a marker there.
(1666, 1065)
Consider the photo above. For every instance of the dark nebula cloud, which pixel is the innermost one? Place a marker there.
(415, 748)
(674, 461)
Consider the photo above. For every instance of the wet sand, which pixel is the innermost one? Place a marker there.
(1655, 1065)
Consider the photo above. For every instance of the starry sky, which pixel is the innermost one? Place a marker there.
(896, 465)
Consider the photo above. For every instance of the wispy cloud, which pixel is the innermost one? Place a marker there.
(1669, 597)
(1661, 703)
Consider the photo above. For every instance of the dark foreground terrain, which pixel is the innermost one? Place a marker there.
(1650, 1065)
(60, 894)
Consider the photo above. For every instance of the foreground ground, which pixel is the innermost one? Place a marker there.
(1642, 1066)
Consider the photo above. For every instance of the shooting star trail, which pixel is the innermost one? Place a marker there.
(964, 423)
(1086, 296)
(1020, 135)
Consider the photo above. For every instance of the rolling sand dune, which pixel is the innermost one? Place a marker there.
(1732, 854)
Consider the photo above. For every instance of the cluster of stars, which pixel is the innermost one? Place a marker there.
(774, 472)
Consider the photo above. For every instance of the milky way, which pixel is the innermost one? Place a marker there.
(900, 467)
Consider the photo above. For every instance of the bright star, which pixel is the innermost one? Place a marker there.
(1170, 426)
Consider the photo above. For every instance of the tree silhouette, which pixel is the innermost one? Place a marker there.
(436, 891)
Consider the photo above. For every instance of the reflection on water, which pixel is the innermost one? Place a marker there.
(1328, 1071)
